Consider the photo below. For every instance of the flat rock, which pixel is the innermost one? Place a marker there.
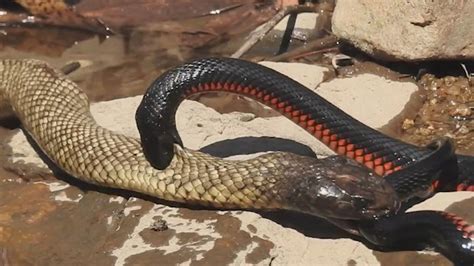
(48, 221)
(407, 30)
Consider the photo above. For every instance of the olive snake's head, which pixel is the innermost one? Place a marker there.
(338, 188)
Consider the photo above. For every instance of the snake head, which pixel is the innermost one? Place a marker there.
(338, 188)
(158, 136)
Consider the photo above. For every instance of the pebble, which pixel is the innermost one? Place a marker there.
(461, 110)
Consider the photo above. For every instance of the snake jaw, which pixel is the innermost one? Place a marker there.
(158, 149)
(344, 191)
(381, 202)
(363, 191)
(158, 133)
(377, 204)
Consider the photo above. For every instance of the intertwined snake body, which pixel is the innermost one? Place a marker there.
(55, 113)
(409, 169)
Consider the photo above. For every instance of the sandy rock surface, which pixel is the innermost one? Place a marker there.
(48, 221)
(407, 30)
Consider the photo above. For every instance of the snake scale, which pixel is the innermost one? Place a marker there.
(55, 113)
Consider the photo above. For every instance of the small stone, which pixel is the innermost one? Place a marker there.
(461, 110)
(463, 130)
(247, 117)
(424, 131)
(453, 90)
(159, 225)
(449, 80)
(408, 123)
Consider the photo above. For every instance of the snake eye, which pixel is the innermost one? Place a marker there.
(361, 203)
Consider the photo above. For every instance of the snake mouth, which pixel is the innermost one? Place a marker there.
(361, 208)
(367, 214)
(365, 197)
(338, 188)
(376, 210)
(379, 203)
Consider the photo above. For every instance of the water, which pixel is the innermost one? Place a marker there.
(147, 42)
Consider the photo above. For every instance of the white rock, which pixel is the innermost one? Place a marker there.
(407, 30)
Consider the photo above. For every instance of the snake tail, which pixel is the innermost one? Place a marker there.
(443, 231)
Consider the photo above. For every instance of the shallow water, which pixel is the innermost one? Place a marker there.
(157, 36)
(114, 67)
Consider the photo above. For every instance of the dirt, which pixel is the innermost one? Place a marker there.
(40, 219)
(95, 231)
(448, 110)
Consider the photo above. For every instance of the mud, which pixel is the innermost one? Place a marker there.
(64, 225)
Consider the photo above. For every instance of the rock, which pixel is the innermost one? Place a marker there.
(407, 30)
(408, 123)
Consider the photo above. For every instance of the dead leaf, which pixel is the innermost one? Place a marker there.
(56, 12)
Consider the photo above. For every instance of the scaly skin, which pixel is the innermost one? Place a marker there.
(55, 113)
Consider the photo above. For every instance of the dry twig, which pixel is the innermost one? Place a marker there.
(258, 35)
(316, 45)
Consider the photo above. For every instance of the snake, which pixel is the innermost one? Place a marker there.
(342, 133)
(55, 113)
